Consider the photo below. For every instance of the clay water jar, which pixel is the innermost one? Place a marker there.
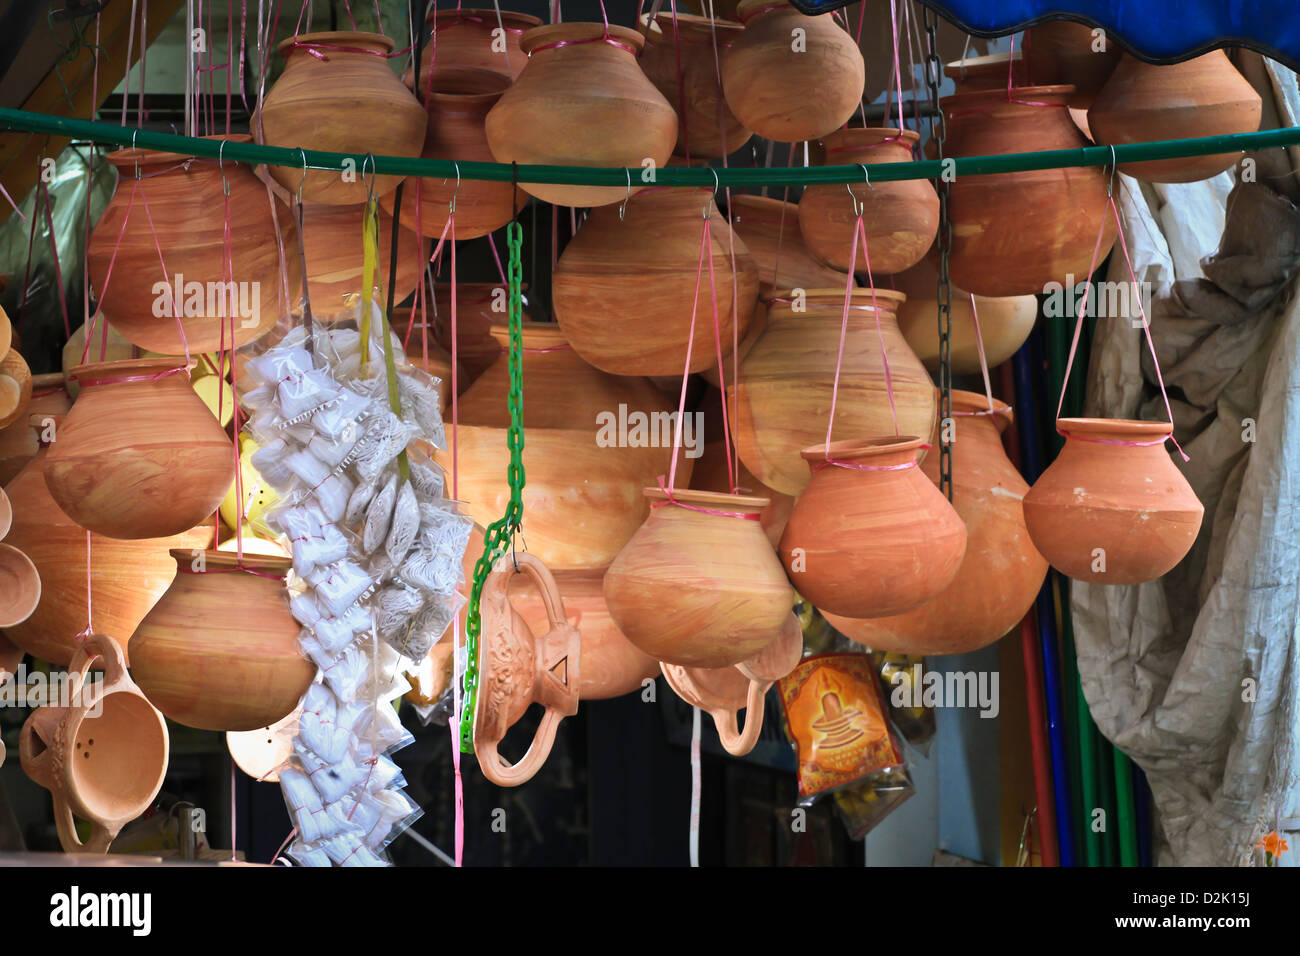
(464, 39)
(774, 237)
(785, 94)
(139, 455)
(338, 95)
(18, 444)
(219, 650)
(1113, 508)
(985, 72)
(479, 307)
(1001, 572)
(623, 289)
(1065, 52)
(697, 588)
(582, 100)
(1203, 96)
(103, 757)
(1013, 233)
(457, 101)
(188, 212)
(901, 218)
(518, 667)
(679, 53)
(783, 394)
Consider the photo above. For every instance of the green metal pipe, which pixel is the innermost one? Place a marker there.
(20, 120)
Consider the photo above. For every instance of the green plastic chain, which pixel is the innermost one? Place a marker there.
(498, 535)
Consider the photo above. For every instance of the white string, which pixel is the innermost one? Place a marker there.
(695, 787)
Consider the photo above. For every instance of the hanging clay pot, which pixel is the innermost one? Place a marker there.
(1013, 233)
(262, 752)
(901, 218)
(518, 667)
(479, 306)
(1113, 508)
(771, 231)
(139, 455)
(1078, 54)
(582, 100)
(20, 586)
(679, 53)
(696, 587)
(457, 101)
(991, 72)
(624, 287)
(593, 441)
(18, 444)
(219, 650)
(467, 40)
(1204, 96)
(1001, 572)
(791, 77)
(337, 95)
(785, 384)
(103, 757)
(186, 219)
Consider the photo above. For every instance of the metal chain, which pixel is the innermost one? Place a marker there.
(938, 132)
(500, 533)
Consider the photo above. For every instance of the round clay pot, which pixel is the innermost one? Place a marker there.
(465, 40)
(139, 455)
(791, 87)
(784, 389)
(985, 72)
(679, 52)
(771, 231)
(518, 667)
(457, 101)
(219, 651)
(1066, 52)
(479, 307)
(582, 100)
(15, 388)
(1013, 233)
(901, 218)
(582, 496)
(1204, 96)
(18, 444)
(1113, 508)
(262, 752)
(338, 95)
(1001, 572)
(20, 586)
(624, 288)
(187, 220)
(103, 756)
(698, 588)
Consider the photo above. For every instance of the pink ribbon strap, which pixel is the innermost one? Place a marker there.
(858, 466)
(745, 515)
(87, 382)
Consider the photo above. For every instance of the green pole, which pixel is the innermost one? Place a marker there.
(1127, 817)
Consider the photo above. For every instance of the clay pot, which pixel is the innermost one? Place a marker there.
(1001, 573)
(517, 667)
(338, 95)
(219, 650)
(464, 39)
(1111, 512)
(901, 218)
(699, 589)
(18, 444)
(582, 497)
(139, 455)
(262, 752)
(20, 586)
(789, 93)
(457, 101)
(1004, 323)
(623, 289)
(986, 72)
(188, 213)
(1013, 233)
(784, 389)
(582, 101)
(1063, 51)
(479, 307)
(773, 236)
(106, 769)
(15, 388)
(679, 52)
(1204, 96)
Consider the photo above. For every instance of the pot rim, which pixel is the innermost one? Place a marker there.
(765, 203)
(1120, 428)
(23, 600)
(892, 298)
(869, 137)
(980, 62)
(718, 500)
(976, 403)
(548, 333)
(693, 22)
(580, 30)
(483, 97)
(999, 95)
(93, 370)
(336, 37)
(125, 158)
(229, 560)
(851, 449)
(756, 8)
(507, 16)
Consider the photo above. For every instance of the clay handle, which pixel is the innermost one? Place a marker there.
(101, 838)
(734, 742)
(503, 774)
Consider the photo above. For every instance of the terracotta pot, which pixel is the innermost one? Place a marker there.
(457, 101)
(581, 101)
(1204, 96)
(1001, 572)
(1004, 323)
(699, 589)
(771, 231)
(623, 289)
(582, 498)
(479, 306)
(15, 388)
(219, 650)
(1013, 233)
(464, 39)
(338, 95)
(127, 577)
(103, 757)
(20, 586)
(784, 389)
(18, 444)
(188, 213)
(139, 455)
(681, 54)
(789, 93)
(985, 72)
(1110, 512)
(901, 218)
(1063, 51)
(518, 667)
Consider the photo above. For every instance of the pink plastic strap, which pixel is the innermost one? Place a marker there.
(9, 199)
(117, 379)
(857, 466)
(612, 41)
(314, 48)
(747, 516)
(153, 234)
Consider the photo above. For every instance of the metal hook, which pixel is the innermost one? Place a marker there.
(221, 165)
(135, 153)
(1114, 168)
(713, 196)
(457, 191)
(859, 205)
(622, 207)
(370, 187)
(302, 182)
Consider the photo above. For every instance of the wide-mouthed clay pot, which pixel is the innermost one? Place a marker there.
(989, 72)
(468, 40)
